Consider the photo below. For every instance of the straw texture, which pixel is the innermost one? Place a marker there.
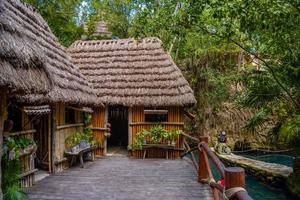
(21, 63)
(132, 73)
(28, 43)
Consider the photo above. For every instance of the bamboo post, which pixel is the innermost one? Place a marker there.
(53, 138)
(203, 171)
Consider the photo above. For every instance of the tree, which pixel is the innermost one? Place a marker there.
(62, 18)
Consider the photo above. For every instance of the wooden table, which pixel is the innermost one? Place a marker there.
(166, 147)
(80, 153)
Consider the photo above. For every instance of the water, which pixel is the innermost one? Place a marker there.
(258, 190)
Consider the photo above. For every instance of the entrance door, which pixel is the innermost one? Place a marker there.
(118, 118)
(42, 137)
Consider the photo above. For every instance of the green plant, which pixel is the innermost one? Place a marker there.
(10, 179)
(87, 119)
(174, 134)
(86, 135)
(139, 139)
(157, 133)
(73, 139)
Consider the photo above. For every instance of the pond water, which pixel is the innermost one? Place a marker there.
(258, 190)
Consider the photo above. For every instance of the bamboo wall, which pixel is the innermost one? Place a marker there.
(61, 133)
(137, 123)
(99, 121)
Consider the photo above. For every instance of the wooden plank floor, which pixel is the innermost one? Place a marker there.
(122, 178)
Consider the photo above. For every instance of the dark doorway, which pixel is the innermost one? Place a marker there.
(42, 138)
(118, 118)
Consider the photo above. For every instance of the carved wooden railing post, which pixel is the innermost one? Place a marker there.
(203, 171)
(235, 179)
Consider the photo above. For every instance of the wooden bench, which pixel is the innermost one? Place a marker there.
(165, 147)
(80, 154)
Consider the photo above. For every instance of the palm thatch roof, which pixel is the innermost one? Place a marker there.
(28, 43)
(131, 73)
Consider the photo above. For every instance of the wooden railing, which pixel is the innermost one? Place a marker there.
(233, 177)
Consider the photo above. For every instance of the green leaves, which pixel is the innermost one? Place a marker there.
(290, 130)
(61, 17)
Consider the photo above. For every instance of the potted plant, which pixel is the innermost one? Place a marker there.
(157, 133)
(174, 134)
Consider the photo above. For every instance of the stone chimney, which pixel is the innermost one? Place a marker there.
(101, 30)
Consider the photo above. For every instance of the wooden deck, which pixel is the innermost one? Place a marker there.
(119, 177)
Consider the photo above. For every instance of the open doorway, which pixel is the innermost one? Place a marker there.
(42, 138)
(118, 118)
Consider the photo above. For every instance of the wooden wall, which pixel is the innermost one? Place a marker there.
(63, 131)
(137, 123)
(99, 120)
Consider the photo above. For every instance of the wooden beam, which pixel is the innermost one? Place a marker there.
(156, 123)
(69, 126)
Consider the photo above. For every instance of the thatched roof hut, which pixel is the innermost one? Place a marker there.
(132, 73)
(31, 53)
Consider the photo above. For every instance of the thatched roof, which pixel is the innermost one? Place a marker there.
(128, 72)
(21, 61)
(27, 41)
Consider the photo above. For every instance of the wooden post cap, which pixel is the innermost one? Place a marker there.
(234, 177)
(203, 139)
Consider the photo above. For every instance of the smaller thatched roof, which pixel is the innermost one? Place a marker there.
(27, 41)
(132, 73)
(101, 29)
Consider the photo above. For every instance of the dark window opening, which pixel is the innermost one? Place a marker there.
(15, 115)
(70, 116)
(156, 115)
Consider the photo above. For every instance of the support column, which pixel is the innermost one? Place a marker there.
(53, 137)
(105, 122)
(129, 126)
(2, 118)
(203, 171)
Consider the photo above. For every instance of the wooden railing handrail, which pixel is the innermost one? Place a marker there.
(205, 174)
(220, 166)
(190, 137)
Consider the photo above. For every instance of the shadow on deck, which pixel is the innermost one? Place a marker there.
(119, 177)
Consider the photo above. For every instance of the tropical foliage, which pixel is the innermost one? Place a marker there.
(245, 53)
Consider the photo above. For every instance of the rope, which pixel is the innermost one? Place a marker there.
(229, 193)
